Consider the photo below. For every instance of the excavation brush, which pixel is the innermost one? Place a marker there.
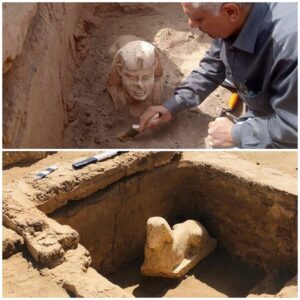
(134, 130)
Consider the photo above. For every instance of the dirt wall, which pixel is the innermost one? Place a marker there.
(54, 86)
(35, 89)
(12, 157)
(252, 220)
(53, 249)
(43, 45)
(251, 209)
(111, 223)
(257, 223)
(16, 20)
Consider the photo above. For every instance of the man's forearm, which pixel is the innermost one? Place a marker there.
(200, 83)
(264, 132)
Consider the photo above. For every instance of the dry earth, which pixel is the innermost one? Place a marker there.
(98, 124)
(56, 64)
(211, 283)
(283, 161)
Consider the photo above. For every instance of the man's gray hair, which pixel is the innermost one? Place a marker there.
(214, 7)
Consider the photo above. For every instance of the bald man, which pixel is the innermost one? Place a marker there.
(255, 47)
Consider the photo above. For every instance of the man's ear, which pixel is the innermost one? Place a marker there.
(232, 11)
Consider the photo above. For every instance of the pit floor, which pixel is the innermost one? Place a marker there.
(218, 275)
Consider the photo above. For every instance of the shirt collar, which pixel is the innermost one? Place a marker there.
(247, 37)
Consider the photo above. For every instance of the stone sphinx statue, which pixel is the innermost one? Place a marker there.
(135, 79)
(173, 252)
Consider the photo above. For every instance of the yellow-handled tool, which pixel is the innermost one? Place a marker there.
(232, 103)
(134, 130)
(226, 112)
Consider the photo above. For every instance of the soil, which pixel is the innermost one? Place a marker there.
(17, 171)
(285, 162)
(205, 280)
(97, 123)
(18, 269)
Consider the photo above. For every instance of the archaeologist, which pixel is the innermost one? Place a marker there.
(255, 47)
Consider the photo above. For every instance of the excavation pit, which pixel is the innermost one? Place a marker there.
(239, 214)
(205, 280)
(249, 209)
(62, 64)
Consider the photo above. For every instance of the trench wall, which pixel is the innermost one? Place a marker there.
(43, 45)
(13, 157)
(256, 222)
(38, 72)
(111, 223)
(253, 221)
(55, 248)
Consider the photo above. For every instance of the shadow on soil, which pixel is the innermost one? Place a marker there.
(219, 271)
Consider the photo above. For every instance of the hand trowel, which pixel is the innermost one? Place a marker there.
(133, 131)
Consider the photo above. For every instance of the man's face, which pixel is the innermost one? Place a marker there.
(137, 83)
(216, 26)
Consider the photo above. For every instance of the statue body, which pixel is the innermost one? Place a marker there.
(135, 79)
(173, 252)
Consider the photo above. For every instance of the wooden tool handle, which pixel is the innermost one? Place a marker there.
(156, 116)
(233, 100)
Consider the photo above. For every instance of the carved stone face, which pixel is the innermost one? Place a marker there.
(136, 69)
(158, 232)
(135, 78)
(137, 83)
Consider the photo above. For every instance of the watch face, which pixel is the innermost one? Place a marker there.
(243, 89)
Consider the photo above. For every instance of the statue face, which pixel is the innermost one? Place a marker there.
(137, 83)
(158, 235)
(155, 238)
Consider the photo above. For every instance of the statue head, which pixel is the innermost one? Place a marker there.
(136, 69)
(158, 232)
(135, 74)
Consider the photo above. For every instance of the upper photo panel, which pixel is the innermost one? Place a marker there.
(150, 75)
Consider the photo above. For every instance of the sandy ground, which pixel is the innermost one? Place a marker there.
(16, 172)
(284, 161)
(21, 279)
(97, 123)
(205, 280)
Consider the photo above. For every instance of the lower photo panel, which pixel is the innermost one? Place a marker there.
(149, 224)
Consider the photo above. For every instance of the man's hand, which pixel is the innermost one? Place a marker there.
(147, 119)
(219, 133)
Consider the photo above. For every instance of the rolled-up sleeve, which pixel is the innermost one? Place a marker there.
(200, 83)
(278, 130)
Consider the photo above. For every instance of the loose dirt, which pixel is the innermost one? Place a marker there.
(97, 123)
(17, 171)
(205, 280)
(285, 162)
(24, 280)
(207, 277)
